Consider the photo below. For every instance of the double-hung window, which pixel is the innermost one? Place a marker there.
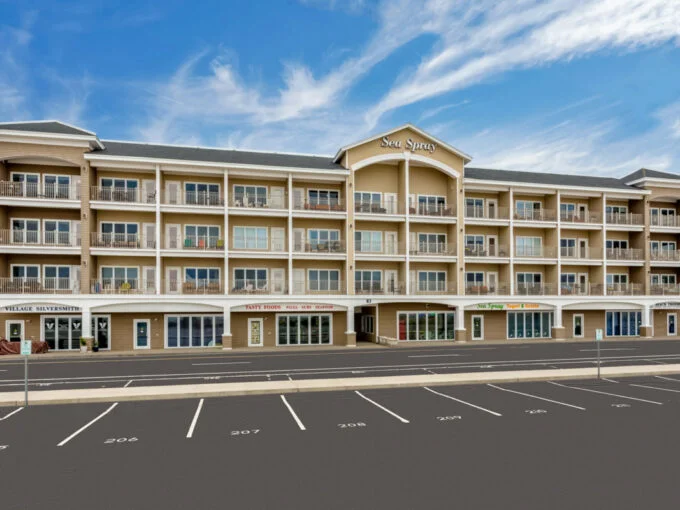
(250, 196)
(474, 246)
(119, 233)
(250, 279)
(120, 277)
(431, 281)
(568, 247)
(474, 279)
(368, 241)
(663, 279)
(25, 272)
(202, 277)
(57, 232)
(251, 238)
(323, 280)
(323, 197)
(367, 202)
(663, 217)
(57, 277)
(529, 246)
(57, 186)
(432, 243)
(527, 210)
(323, 240)
(25, 231)
(474, 208)
(119, 190)
(431, 205)
(198, 193)
(529, 283)
(25, 184)
(201, 236)
(568, 212)
(368, 281)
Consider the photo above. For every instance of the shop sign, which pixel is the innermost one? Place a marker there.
(409, 145)
(510, 306)
(39, 309)
(666, 305)
(287, 308)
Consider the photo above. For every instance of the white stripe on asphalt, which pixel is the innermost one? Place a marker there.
(610, 380)
(605, 393)
(128, 383)
(667, 378)
(192, 427)
(654, 388)
(403, 420)
(84, 427)
(462, 401)
(537, 397)
(292, 412)
(622, 349)
(435, 355)
(11, 414)
(222, 363)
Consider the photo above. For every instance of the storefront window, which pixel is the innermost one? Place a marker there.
(194, 331)
(623, 323)
(529, 324)
(303, 329)
(426, 325)
(63, 332)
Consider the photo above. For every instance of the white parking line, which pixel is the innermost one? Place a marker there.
(655, 361)
(605, 393)
(621, 349)
(655, 388)
(292, 412)
(192, 427)
(429, 371)
(221, 363)
(403, 420)
(128, 383)
(289, 377)
(11, 414)
(537, 397)
(462, 401)
(84, 427)
(667, 378)
(435, 355)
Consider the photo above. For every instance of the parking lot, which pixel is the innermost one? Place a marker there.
(585, 444)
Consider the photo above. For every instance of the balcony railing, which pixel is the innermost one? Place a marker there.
(36, 191)
(194, 286)
(434, 249)
(193, 198)
(580, 217)
(383, 206)
(535, 252)
(624, 219)
(487, 251)
(320, 247)
(440, 210)
(253, 286)
(665, 289)
(195, 243)
(319, 287)
(122, 241)
(624, 254)
(35, 238)
(535, 215)
(39, 286)
(535, 289)
(368, 248)
(589, 289)
(258, 201)
(378, 288)
(501, 289)
(624, 289)
(423, 287)
(665, 255)
(258, 244)
(122, 286)
(122, 195)
(664, 221)
(335, 205)
(574, 252)
(499, 213)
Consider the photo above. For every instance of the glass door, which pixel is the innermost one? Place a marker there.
(15, 331)
(478, 327)
(255, 332)
(671, 324)
(142, 338)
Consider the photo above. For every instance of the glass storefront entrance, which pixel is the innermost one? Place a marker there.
(303, 329)
(63, 332)
(426, 325)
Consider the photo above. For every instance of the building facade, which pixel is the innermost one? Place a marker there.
(396, 237)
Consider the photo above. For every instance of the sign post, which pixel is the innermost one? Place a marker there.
(26, 352)
(598, 339)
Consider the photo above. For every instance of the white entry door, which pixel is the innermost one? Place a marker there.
(672, 324)
(578, 325)
(172, 280)
(255, 327)
(299, 281)
(492, 246)
(492, 281)
(278, 281)
(172, 192)
(149, 241)
(390, 243)
(142, 333)
(391, 283)
(278, 239)
(298, 240)
(478, 327)
(148, 191)
(390, 204)
(15, 331)
(172, 237)
(277, 198)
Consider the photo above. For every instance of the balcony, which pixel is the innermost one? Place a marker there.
(587, 253)
(580, 217)
(320, 287)
(39, 286)
(665, 256)
(193, 287)
(624, 254)
(34, 191)
(258, 201)
(537, 252)
(482, 213)
(33, 238)
(122, 241)
(433, 287)
(331, 205)
(502, 289)
(382, 206)
(378, 250)
(433, 210)
(122, 286)
(534, 215)
(331, 247)
(624, 219)
(624, 289)
(486, 251)
(121, 195)
(257, 287)
(194, 243)
(589, 289)
(535, 289)
(259, 244)
(665, 289)
(379, 288)
(434, 250)
(194, 198)
(664, 221)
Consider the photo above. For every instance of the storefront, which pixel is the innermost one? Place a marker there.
(426, 325)
(63, 332)
(184, 331)
(509, 321)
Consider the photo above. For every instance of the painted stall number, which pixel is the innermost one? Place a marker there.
(620, 405)
(351, 425)
(119, 440)
(244, 432)
(536, 411)
(449, 418)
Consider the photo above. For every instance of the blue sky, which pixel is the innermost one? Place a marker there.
(565, 86)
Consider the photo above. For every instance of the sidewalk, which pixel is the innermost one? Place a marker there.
(278, 387)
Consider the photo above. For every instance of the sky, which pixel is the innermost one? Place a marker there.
(563, 86)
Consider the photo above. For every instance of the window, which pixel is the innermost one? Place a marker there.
(201, 236)
(368, 324)
(323, 280)
(304, 329)
(529, 246)
(432, 243)
(662, 279)
(530, 324)
(568, 247)
(250, 238)
(323, 197)
(474, 246)
(25, 231)
(426, 326)
(568, 211)
(120, 277)
(57, 277)
(617, 281)
(202, 277)
(365, 241)
(123, 233)
(431, 281)
(25, 272)
(529, 283)
(194, 330)
(623, 323)
(474, 208)
(250, 196)
(250, 279)
(473, 280)
(57, 186)
(527, 210)
(323, 240)
(660, 248)
(663, 217)
(367, 202)
(614, 244)
(197, 193)
(368, 281)
(616, 209)
(431, 204)
(63, 333)
(25, 184)
(58, 232)
(119, 190)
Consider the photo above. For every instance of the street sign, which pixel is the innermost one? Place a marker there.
(26, 347)
(598, 335)
(598, 339)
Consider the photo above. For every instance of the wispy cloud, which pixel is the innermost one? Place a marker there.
(433, 112)
(14, 41)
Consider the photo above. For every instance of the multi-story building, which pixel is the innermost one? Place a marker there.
(160, 246)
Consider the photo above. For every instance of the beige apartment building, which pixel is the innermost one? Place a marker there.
(396, 238)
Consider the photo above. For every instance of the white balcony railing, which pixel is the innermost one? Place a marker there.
(32, 190)
(39, 286)
(36, 238)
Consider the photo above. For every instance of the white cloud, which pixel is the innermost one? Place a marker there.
(13, 74)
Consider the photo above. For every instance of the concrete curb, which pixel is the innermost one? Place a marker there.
(50, 397)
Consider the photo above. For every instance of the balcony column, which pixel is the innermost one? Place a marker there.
(289, 234)
(511, 237)
(461, 332)
(226, 235)
(604, 243)
(86, 327)
(226, 334)
(159, 226)
(559, 244)
(646, 323)
(407, 230)
(350, 334)
(558, 329)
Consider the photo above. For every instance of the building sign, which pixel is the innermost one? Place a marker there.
(39, 309)
(671, 305)
(409, 145)
(509, 306)
(287, 308)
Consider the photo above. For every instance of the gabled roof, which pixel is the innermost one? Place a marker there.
(45, 126)
(646, 173)
(588, 181)
(410, 126)
(214, 155)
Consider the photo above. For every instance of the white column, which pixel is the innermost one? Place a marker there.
(226, 232)
(557, 317)
(460, 318)
(646, 318)
(227, 321)
(407, 211)
(159, 226)
(289, 234)
(604, 242)
(87, 322)
(511, 247)
(350, 320)
(559, 244)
